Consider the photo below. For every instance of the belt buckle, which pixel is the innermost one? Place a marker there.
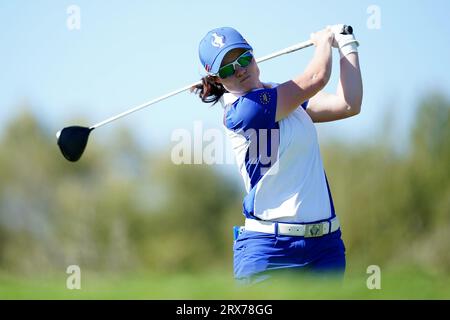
(313, 230)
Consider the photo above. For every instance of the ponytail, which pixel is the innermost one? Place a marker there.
(209, 90)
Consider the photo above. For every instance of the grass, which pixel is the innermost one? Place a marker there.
(395, 284)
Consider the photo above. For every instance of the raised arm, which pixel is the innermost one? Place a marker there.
(347, 101)
(348, 98)
(292, 93)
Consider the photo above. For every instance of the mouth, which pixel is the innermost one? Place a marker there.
(245, 79)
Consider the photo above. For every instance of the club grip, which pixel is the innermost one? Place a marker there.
(347, 30)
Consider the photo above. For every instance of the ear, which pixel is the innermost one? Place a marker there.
(215, 79)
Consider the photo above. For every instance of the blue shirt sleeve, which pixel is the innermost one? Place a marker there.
(256, 110)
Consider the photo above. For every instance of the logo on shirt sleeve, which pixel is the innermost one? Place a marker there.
(264, 98)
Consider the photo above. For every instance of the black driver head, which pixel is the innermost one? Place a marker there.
(72, 141)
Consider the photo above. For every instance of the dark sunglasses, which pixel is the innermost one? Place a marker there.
(229, 69)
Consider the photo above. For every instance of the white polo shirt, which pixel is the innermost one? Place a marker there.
(280, 162)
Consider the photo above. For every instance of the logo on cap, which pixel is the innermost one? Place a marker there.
(218, 40)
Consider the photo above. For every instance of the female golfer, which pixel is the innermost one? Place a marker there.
(290, 222)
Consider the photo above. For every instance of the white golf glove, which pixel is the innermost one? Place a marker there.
(345, 42)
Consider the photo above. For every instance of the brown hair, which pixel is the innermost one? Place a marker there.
(209, 90)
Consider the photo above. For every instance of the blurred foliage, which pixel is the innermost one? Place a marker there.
(123, 209)
(395, 208)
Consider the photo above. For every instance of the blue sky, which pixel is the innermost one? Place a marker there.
(129, 52)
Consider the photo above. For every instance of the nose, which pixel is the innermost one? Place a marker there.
(240, 71)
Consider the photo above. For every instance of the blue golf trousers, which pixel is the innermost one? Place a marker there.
(257, 255)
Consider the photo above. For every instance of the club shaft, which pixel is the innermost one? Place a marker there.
(287, 50)
(144, 105)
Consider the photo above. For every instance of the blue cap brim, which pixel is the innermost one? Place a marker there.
(218, 61)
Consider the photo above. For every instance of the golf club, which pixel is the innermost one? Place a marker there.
(73, 140)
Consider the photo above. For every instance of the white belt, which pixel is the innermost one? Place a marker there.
(308, 230)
